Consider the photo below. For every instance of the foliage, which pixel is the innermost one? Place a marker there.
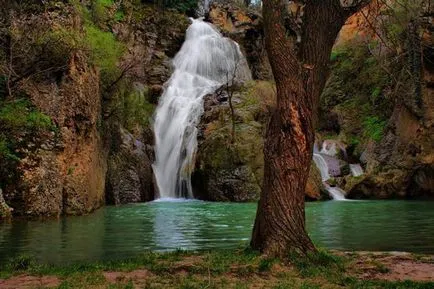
(99, 10)
(359, 73)
(6, 153)
(370, 76)
(18, 119)
(392, 23)
(37, 52)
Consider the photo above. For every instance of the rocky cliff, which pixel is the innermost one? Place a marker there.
(401, 164)
(78, 86)
(382, 109)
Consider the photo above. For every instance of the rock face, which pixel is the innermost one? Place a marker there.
(63, 172)
(130, 177)
(88, 153)
(246, 29)
(315, 188)
(401, 165)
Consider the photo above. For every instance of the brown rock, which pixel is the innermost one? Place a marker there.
(314, 186)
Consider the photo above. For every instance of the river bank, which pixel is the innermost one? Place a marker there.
(229, 269)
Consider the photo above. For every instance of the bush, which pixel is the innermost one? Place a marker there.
(20, 114)
(6, 153)
(18, 118)
(104, 51)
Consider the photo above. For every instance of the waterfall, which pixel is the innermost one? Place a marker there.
(206, 61)
(335, 192)
(356, 170)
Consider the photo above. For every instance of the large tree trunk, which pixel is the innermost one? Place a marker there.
(280, 224)
(300, 71)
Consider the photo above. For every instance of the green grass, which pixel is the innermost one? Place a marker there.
(19, 117)
(215, 269)
(105, 51)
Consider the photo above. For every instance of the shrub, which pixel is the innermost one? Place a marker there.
(104, 51)
(18, 117)
(5, 151)
(134, 109)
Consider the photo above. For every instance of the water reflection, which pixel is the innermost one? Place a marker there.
(122, 232)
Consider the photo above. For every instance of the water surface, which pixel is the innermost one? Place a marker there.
(125, 231)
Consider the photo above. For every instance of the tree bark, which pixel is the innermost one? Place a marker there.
(300, 71)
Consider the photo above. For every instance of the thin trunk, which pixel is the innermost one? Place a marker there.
(231, 107)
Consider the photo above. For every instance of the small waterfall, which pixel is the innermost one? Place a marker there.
(330, 149)
(356, 170)
(335, 192)
(206, 61)
(322, 166)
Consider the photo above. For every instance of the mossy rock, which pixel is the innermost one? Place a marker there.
(229, 170)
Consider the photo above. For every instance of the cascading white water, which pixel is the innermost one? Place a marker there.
(322, 166)
(335, 192)
(356, 170)
(206, 61)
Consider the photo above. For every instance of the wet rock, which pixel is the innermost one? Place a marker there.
(155, 91)
(245, 27)
(228, 171)
(315, 188)
(422, 182)
(236, 185)
(384, 185)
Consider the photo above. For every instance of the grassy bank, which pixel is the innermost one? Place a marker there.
(229, 269)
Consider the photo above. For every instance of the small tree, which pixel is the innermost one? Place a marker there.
(230, 82)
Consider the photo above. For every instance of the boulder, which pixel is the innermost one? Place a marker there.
(5, 210)
(315, 188)
(233, 171)
(129, 175)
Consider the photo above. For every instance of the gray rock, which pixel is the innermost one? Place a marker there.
(129, 176)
